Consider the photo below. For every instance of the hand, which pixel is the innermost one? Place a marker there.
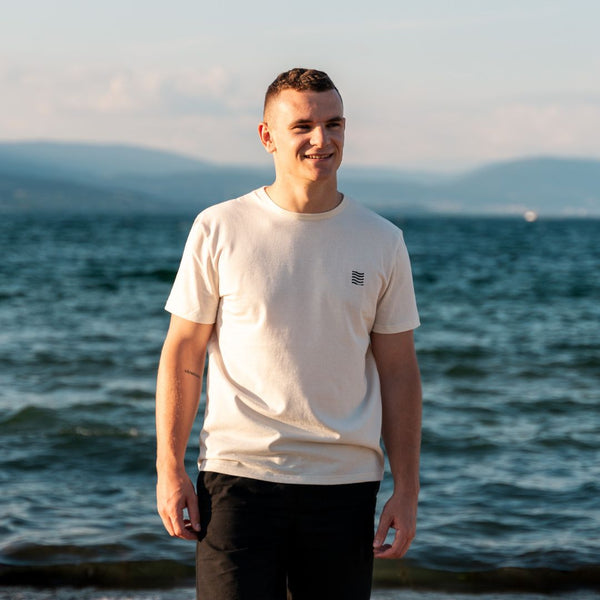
(175, 493)
(399, 513)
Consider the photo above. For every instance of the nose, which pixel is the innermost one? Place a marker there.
(319, 136)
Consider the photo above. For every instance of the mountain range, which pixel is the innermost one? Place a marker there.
(62, 177)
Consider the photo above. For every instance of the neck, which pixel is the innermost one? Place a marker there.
(314, 197)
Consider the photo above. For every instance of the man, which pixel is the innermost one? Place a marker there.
(304, 300)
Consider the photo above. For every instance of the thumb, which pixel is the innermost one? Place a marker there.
(193, 510)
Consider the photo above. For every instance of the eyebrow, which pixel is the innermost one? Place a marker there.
(309, 121)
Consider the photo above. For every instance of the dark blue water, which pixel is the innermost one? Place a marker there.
(510, 356)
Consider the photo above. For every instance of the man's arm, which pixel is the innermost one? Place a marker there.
(178, 389)
(401, 430)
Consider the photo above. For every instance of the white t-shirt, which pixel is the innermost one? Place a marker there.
(292, 389)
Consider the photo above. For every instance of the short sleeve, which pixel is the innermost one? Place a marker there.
(397, 306)
(195, 292)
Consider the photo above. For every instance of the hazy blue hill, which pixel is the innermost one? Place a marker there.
(64, 176)
(546, 185)
(222, 183)
(392, 175)
(196, 188)
(71, 177)
(386, 191)
(38, 194)
(98, 160)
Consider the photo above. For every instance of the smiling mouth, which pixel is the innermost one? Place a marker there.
(318, 156)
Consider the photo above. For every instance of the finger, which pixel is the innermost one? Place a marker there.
(180, 530)
(398, 548)
(194, 512)
(166, 520)
(167, 525)
(190, 529)
(177, 521)
(382, 530)
(388, 551)
(381, 551)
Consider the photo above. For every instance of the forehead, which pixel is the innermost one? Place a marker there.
(293, 105)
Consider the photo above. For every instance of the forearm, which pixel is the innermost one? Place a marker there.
(179, 385)
(400, 384)
(401, 430)
(178, 389)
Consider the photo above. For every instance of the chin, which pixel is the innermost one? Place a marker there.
(323, 174)
(326, 169)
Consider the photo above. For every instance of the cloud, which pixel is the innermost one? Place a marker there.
(204, 113)
(212, 113)
(103, 90)
(191, 92)
(569, 127)
(446, 135)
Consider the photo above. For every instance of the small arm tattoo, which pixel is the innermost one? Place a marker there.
(192, 373)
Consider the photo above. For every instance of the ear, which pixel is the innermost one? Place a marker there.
(264, 133)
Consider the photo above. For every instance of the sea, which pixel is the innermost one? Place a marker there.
(509, 350)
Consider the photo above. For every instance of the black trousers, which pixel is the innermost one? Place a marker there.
(261, 540)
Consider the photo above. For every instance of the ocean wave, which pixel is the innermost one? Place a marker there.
(28, 418)
(508, 351)
(390, 574)
(162, 275)
(81, 420)
(508, 579)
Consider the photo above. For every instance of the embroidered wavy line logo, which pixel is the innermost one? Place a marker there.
(358, 278)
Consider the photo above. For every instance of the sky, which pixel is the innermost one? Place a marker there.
(439, 85)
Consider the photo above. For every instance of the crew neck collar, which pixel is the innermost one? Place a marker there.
(272, 205)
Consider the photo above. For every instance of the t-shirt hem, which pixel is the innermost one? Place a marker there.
(237, 470)
(194, 317)
(399, 328)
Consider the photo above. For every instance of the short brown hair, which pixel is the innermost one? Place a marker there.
(301, 80)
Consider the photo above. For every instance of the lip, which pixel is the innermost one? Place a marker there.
(318, 156)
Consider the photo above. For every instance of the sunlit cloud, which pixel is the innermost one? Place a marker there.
(457, 136)
(558, 128)
(117, 91)
(202, 113)
(212, 113)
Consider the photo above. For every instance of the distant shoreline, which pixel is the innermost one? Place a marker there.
(77, 176)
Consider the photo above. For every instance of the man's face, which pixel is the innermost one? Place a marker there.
(304, 131)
